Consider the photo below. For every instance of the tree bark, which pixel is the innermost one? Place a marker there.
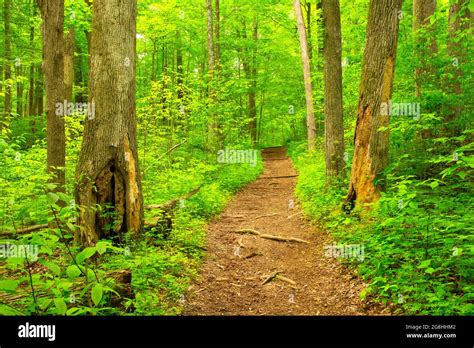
(459, 20)
(310, 123)
(334, 132)
(424, 49)
(378, 67)
(31, 89)
(69, 63)
(253, 85)
(107, 172)
(7, 60)
(213, 125)
(52, 13)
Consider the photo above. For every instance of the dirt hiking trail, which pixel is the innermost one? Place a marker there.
(247, 271)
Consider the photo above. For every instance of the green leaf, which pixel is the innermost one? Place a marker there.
(53, 197)
(85, 254)
(73, 271)
(96, 293)
(434, 184)
(8, 285)
(425, 264)
(60, 305)
(429, 270)
(51, 266)
(101, 247)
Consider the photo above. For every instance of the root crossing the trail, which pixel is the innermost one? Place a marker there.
(263, 258)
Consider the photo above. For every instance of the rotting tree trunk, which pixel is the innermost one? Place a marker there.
(424, 49)
(69, 63)
(107, 172)
(378, 67)
(310, 123)
(7, 59)
(52, 13)
(334, 132)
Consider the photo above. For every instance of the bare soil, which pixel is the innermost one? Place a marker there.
(236, 276)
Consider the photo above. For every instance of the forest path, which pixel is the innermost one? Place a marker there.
(236, 266)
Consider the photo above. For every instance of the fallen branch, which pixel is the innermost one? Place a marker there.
(270, 277)
(279, 176)
(285, 279)
(271, 237)
(266, 215)
(172, 149)
(24, 230)
(170, 205)
(252, 255)
(295, 214)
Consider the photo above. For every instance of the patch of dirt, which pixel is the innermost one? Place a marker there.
(236, 277)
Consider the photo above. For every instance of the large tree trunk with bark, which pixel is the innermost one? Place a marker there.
(308, 84)
(52, 13)
(107, 173)
(425, 49)
(378, 67)
(334, 132)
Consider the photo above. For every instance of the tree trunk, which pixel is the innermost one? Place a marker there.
(38, 106)
(52, 13)
(218, 34)
(7, 59)
(378, 67)
(69, 64)
(179, 69)
(424, 49)
(334, 132)
(19, 90)
(310, 124)
(107, 172)
(213, 125)
(253, 85)
(459, 17)
(31, 89)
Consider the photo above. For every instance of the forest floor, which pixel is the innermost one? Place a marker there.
(248, 274)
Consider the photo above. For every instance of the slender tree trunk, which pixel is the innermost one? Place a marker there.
(179, 69)
(69, 63)
(213, 125)
(7, 59)
(31, 88)
(459, 21)
(52, 13)
(308, 29)
(80, 95)
(310, 124)
(253, 84)
(334, 132)
(38, 106)
(153, 62)
(107, 172)
(378, 67)
(19, 90)
(425, 50)
(218, 34)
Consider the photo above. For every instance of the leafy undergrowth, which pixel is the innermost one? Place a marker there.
(418, 250)
(58, 277)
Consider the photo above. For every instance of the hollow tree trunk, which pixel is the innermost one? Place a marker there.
(308, 84)
(52, 13)
(107, 172)
(334, 132)
(378, 67)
